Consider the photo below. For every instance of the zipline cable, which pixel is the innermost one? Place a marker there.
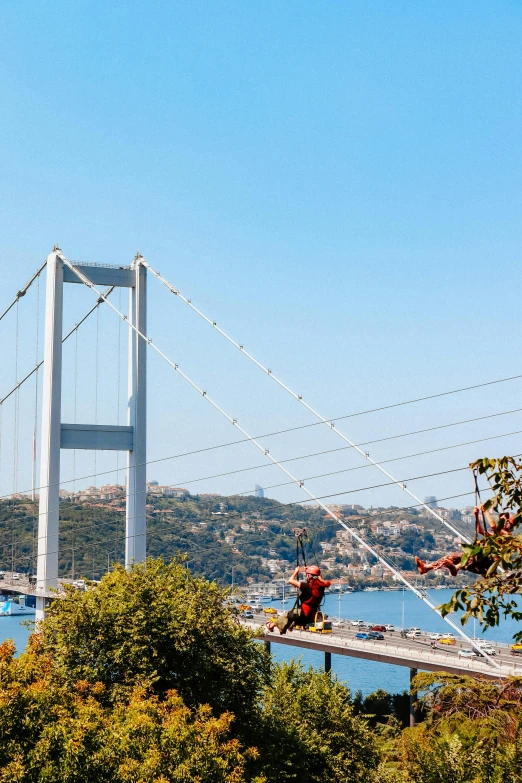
(329, 495)
(344, 470)
(291, 459)
(298, 397)
(86, 280)
(311, 528)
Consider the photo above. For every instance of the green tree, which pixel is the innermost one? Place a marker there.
(146, 678)
(156, 626)
(312, 733)
(52, 733)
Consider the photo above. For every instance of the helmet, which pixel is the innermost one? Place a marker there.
(313, 570)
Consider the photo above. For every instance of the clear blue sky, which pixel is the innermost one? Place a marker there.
(338, 183)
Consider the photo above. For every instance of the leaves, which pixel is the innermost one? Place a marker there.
(501, 551)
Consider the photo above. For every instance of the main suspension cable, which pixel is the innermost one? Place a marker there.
(86, 280)
(37, 366)
(23, 291)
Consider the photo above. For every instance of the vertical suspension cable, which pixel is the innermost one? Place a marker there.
(1, 416)
(16, 407)
(37, 352)
(96, 384)
(118, 395)
(75, 401)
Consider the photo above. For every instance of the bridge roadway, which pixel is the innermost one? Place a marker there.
(20, 585)
(412, 653)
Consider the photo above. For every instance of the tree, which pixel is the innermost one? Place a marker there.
(499, 553)
(51, 732)
(146, 678)
(158, 627)
(314, 736)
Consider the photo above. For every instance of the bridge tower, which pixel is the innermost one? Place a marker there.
(57, 435)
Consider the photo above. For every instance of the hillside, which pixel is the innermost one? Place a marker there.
(249, 536)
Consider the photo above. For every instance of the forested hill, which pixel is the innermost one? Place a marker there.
(253, 535)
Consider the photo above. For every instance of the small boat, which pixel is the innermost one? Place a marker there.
(14, 604)
(265, 598)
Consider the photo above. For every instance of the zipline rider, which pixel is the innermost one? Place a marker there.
(311, 593)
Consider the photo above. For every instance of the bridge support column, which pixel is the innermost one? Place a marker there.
(267, 646)
(48, 514)
(135, 528)
(413, 699)
(328, 661)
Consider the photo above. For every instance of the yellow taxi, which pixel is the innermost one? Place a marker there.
(270, 610)
(447, 640)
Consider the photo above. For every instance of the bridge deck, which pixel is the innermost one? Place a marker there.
(398, 651)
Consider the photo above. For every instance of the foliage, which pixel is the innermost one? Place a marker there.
(446, 755)
(156, 626)
(51, 732)
(380, 706)
(147, 678)
(499, 553)
(314, 735)
(448, 695)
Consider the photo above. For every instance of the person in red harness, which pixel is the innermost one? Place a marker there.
(453, 561)
(310, 597)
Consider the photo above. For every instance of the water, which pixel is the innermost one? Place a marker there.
(11, 627)
(379, 608)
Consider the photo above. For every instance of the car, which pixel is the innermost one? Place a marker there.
(79, 584)
(2, 575)
(434, 637)
(467, 654)
(414, 629)
(413, 634)
(15, 578)
(380, 628)
(482, 651)
(362, 635)
(357, 623)
(447, 640)
(247, 615)
(270, 610)
(516, 649)
(486, 647)
(390, 627)
(375, 635)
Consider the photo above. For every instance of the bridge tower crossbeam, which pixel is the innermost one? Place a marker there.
(57, 435)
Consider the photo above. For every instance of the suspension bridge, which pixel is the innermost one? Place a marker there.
(51, 436)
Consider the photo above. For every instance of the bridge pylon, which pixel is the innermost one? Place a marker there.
(57, 435)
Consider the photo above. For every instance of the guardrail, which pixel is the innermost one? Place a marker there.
(414, 656)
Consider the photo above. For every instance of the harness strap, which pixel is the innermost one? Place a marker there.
(299, 534)
(478, 507)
